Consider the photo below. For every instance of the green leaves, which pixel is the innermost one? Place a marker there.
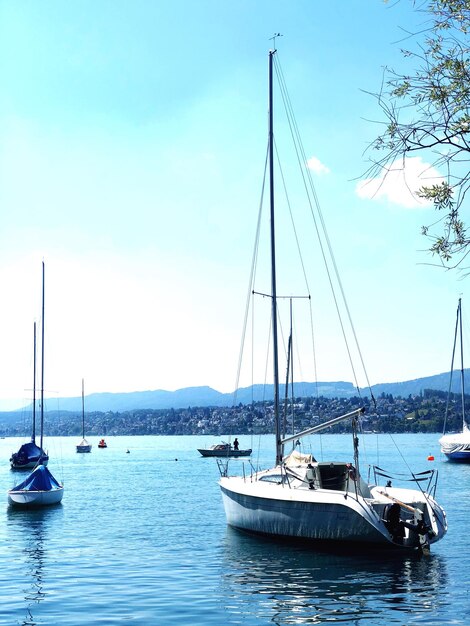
(427, 111)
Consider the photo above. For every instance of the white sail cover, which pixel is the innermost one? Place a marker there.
(298, 458)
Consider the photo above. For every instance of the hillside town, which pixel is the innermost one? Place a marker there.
(421, 413)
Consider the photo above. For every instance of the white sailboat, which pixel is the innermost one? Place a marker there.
(456, 446)
(325, 501)
(83, 446)
(40, 488)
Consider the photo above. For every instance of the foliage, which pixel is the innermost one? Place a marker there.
(428, 112)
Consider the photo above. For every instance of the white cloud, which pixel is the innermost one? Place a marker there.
(400, 183)
(317, 166)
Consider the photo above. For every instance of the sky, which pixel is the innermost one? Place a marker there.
(132, 145)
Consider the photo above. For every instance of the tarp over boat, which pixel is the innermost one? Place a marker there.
(39, 480)
(27, 451)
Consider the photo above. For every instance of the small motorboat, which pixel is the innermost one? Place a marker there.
(223, 449)
(102, 444)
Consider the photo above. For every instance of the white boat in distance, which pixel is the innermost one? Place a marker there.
(223, 450)
(330, 502)
(83, 446)
(456, 446)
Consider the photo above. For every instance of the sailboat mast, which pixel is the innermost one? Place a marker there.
(42, 358)
(83, 410)
(279, 446)
(33, 436)
(462, 377)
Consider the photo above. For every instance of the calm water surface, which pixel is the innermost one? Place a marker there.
(141, 538)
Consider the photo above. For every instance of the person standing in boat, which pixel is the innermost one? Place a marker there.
(235, 444)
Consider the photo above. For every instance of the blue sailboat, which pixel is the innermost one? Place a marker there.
(30, 454)
(40, 488)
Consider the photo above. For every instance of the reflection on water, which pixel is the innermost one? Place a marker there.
(32, 528)
(293, 584)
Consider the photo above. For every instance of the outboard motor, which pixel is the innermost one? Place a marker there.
(393, 522)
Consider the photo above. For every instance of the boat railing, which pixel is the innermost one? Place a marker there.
(223, 467)
(222, 464)
(426, 481)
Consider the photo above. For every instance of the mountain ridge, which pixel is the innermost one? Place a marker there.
(205, 396)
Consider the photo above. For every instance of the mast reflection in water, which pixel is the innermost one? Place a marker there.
(32, 530)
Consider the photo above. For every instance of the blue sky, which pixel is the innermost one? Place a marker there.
(132, 139)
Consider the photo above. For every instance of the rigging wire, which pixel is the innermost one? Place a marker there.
(252, 277)
(311, 193)
(292, 219)
(324, 245)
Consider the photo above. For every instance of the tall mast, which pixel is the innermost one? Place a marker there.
(279, 446)
(42, 359)
(83, 410)
(462, 376)
(33, 436)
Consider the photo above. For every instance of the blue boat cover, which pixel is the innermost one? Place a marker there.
(28, 452)
(39, 480)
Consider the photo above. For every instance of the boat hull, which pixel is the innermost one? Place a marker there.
(325, 515)
(311, 517)
(459, 457)
(24, 498)
(83, 446)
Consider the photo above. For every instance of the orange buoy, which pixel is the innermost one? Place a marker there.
(430, 457)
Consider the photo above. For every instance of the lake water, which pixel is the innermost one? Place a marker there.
(141, 539)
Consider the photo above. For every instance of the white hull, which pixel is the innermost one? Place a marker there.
(309, 517)
(84, 446)
(322, 514)
(456, 447)
(35, 498)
